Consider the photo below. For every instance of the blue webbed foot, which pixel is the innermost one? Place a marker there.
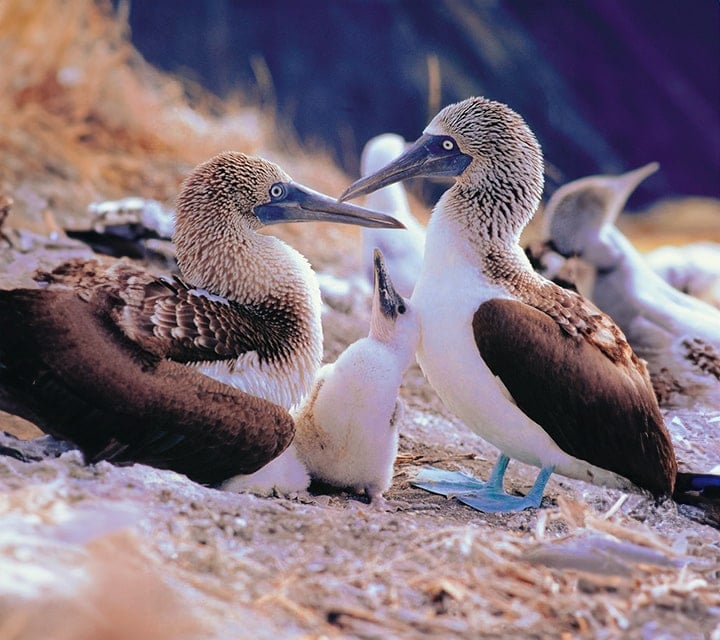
(446, 483)
(484, 496)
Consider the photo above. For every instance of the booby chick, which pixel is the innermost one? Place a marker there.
(535, 369)
(677, 334)
(403, 251)
(195, 374)
(347, 430)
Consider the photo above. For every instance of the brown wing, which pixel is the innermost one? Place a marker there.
(595, 408)
(173, 320)
(69, 368)
(188, 325)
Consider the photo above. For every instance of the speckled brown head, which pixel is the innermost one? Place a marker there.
(488, 147)
(231, 195)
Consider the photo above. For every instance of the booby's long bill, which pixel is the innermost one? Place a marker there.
(429, 156)
(292, 202)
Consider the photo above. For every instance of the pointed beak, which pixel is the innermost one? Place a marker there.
(630, 180)
(425, 157)
(301, 204)
(388, 300)
(623, 186)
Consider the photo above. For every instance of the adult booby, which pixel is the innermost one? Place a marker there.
(535, 369)
(677, 334)
(347, 430)
(403, 251)
(194, 374)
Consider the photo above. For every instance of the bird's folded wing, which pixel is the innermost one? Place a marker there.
(85, 380)
(595, 408)
(185, 324)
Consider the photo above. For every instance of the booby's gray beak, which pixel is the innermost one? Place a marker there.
(428, 156)
(390, 301)
(291, 202)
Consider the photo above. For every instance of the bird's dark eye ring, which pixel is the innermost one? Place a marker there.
(277, 191)
(401, 308)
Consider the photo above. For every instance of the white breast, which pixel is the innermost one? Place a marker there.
(447, 294)
(283, 385)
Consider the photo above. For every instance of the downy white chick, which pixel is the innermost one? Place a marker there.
(347, 431)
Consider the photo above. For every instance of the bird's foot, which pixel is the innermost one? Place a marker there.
(447, 483)
(488, 496)
(499, 502)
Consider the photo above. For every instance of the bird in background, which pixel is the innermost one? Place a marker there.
(533, 368)
(347, 430)
(691, 268)
(403, 251)
(194, 373)
(677, 334)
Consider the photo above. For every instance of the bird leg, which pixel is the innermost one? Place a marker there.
(484, 496)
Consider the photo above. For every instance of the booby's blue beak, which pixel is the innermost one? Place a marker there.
(428, 156)
(292, 202)
(390, 301)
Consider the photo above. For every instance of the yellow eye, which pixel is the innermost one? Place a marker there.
(448, 145)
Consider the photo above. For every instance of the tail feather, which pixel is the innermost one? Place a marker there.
(706, 485)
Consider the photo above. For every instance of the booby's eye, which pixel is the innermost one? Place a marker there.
(442, 145)
(401, 308)
(277, 191)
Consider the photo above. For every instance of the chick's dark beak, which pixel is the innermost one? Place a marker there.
(390, 302)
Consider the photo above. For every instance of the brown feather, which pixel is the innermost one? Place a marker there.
(595, 402)
(135, 406)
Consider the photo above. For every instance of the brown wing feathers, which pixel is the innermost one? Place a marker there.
(190, 326)
(135, 406)
(596, 409)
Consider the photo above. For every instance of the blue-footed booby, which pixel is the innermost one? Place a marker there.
(347, 430)
(535, 369)
(677, 334)
(197, 373)
(403, 251)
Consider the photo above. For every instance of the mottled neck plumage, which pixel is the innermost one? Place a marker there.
(490, 218)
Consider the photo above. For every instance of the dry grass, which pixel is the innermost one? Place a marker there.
(82, 109)
(85, 118)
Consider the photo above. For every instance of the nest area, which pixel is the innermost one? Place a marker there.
(84, 119)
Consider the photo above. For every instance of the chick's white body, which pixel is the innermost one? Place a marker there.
(347, 432)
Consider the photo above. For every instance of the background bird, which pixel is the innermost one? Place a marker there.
(403, 251)
(692, 268)
(677, 334)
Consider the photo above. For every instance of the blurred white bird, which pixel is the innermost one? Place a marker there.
(692, 268)
(677, 334)
(403, 250)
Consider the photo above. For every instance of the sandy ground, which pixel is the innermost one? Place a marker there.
(134, 552)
